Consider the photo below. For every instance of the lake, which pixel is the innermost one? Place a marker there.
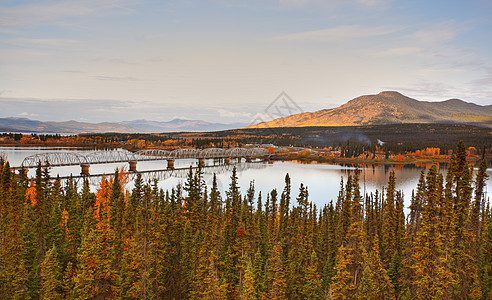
(322, 180)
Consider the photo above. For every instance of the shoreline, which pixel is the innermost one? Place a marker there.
(423, 161)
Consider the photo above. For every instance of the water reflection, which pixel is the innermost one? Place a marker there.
(165, 174)
(322, 180)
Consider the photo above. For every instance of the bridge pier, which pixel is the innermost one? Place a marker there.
(170, 164)
(133, 166)
(227, 160)
(85, 169)
(239, 159)
(201, 162)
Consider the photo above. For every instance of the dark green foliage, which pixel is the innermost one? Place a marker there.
(51, 287)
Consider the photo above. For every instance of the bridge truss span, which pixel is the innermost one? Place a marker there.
(59, 159)
(212, 153)
(54, 159)
(153, 153)
(113, 156)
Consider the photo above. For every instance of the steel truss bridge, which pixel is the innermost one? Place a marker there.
(60, 159)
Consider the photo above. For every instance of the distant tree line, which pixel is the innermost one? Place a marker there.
(395, 138)
(352, 140)
(42, 137)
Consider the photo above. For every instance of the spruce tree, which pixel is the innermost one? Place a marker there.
(12, 198)
(350, 260)
(51, 277)
(96, 276)
(431, 277)
(375, 282)
(248, 291)
(230, 255)
(313, 287)
(277, 284)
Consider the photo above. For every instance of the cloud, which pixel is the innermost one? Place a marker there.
(232, 114)
(33, 13)
(484, 82)
(437, 90)
(403, 51)
(8, 21)
(311, 5)
(26, 42)
(26, 114)
(101, 110)
(294, 2)
(71, 71)
(180, 117)
(338, 33)
(114, 78)
(167, 10)
(442, 32)
(373, 3)
(62, 109)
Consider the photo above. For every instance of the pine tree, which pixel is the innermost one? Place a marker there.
(431, 277)
(248, 291)
(12, 272)
(284, 207)
(230, 255)
(388, 242)
(480, 182)
(350, 261)
(189, 257)
(486, 262)
(30, 252)
(395, 271)
(96, 276)
(205, 283)
(259, 274)
(51, 287)
(59, 241)
(313, 287)
(301, 246)
(276, 275)
(330, 247)
(68, 281)
(375, 283)
(462, 237)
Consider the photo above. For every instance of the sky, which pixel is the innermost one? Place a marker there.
(228, 60)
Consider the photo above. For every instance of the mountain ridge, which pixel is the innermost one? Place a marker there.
(389, 107)
(13, 124)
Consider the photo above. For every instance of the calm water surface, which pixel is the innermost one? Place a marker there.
(322, 180)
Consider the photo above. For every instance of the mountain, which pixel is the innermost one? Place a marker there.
(179, 125)
(389, 108)
(84, 127)
(140, 126)
(26, 125)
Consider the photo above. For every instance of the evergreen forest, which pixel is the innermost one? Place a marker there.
(62, 241)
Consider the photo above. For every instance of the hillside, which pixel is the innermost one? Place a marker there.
(389, 108)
